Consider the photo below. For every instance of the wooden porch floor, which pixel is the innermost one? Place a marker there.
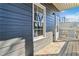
(59, 48)
(71, 48)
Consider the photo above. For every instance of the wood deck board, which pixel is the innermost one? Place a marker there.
(77, 48)
(72, 48)
(69, 49)
(65, 51)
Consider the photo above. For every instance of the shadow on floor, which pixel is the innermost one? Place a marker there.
(63, 49)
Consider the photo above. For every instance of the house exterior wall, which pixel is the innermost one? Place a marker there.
(50, 28)
(16, 29)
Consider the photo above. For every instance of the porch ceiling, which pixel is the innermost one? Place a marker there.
(64, 6)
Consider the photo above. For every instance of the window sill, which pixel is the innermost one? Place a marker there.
(38, 38)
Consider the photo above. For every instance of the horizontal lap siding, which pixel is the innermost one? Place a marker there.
(50, 19)
(16, 22)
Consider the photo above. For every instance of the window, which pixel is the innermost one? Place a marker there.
(39, 21)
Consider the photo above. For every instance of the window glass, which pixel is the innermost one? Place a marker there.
(38, 21)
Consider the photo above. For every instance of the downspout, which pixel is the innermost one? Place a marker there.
(54, 32)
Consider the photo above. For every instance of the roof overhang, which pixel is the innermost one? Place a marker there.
(64, 6)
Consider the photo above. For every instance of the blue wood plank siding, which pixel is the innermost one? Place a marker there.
(50, 23)
(16, 21)
(50, 19)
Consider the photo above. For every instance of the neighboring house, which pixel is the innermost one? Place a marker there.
(26, 28)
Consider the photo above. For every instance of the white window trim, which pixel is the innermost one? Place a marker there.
(44, 35)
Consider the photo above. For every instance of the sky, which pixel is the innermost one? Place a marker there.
(71, 14)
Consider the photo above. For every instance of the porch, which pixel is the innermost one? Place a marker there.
(68, 47)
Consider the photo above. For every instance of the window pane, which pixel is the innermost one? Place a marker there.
(40, 10)
(40, 32)
(38, 21)
(40, 25)
(35, 12)
(40, 18)
(35, 33)
(35, 25)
